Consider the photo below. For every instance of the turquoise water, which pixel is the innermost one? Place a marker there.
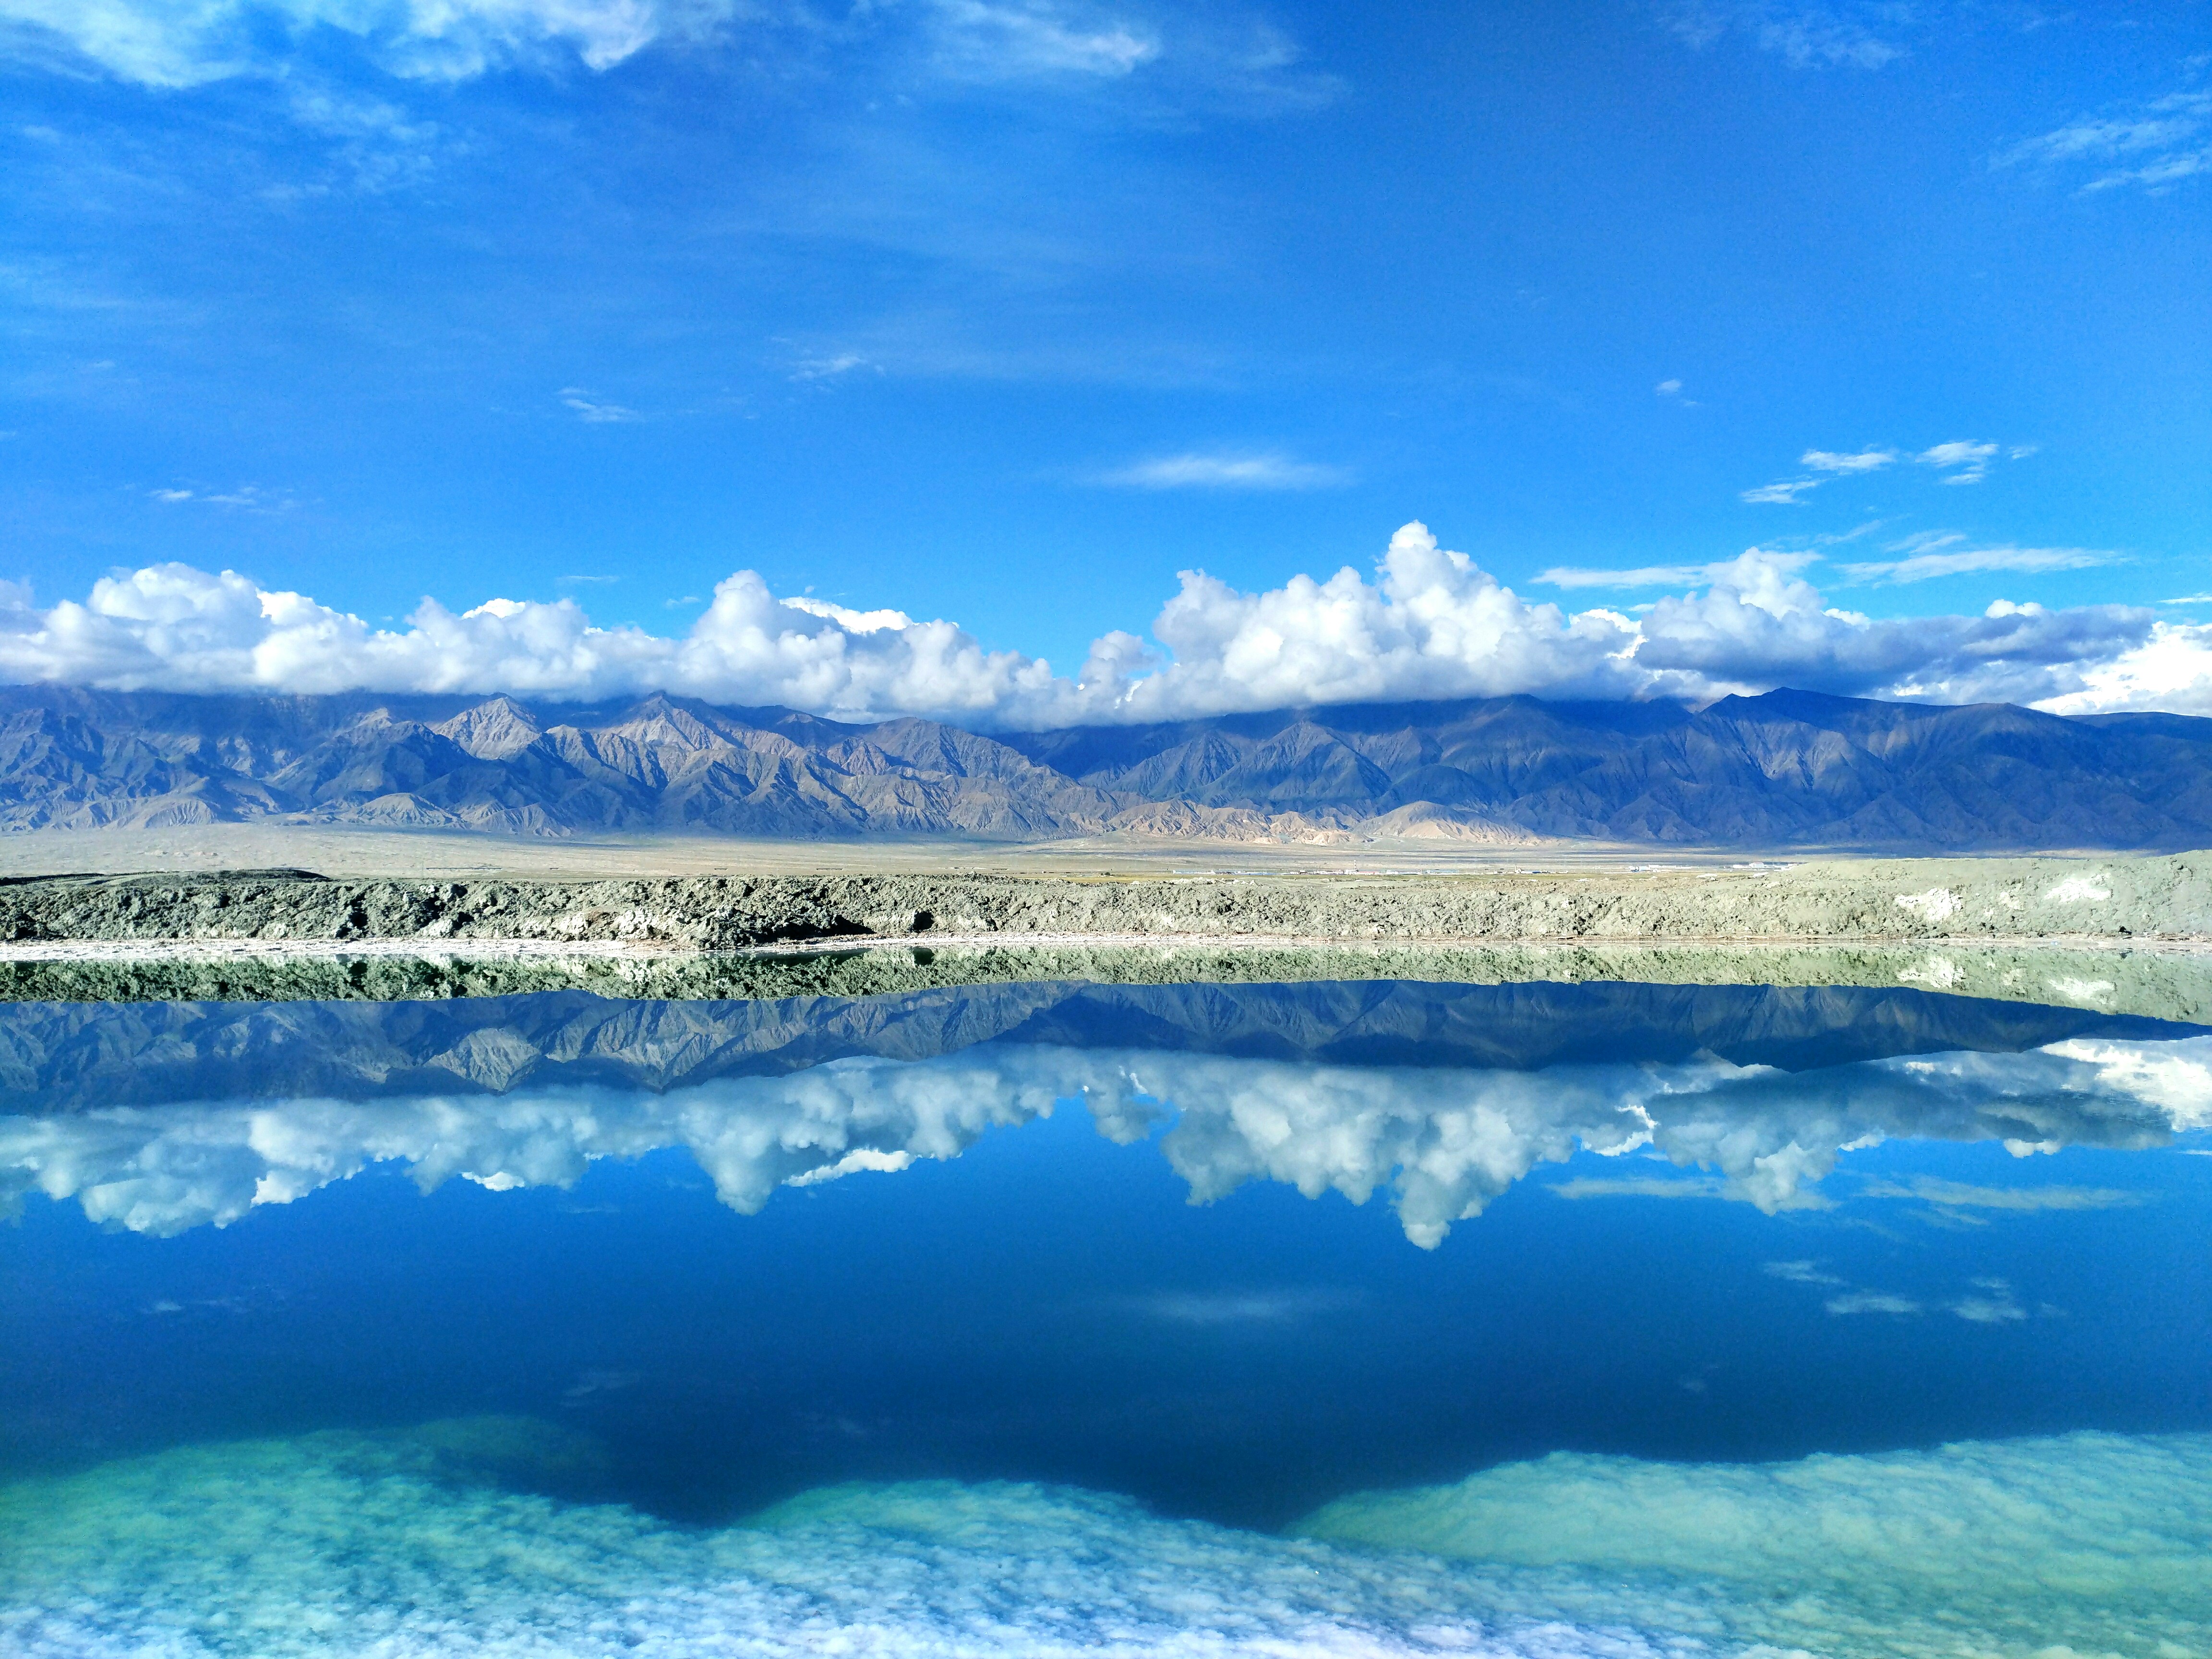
(1330, 1319)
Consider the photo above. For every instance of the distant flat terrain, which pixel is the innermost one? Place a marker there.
(351, 850)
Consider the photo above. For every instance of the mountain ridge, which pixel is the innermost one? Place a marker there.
(1785, 769)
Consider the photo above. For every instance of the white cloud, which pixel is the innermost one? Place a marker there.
(596, 411)
(1669, 388)
(1864, 460)
(1995, 1304)
(1874, 1301)
(1198, 471)
(1939, 554)
(1963, 1195)
(1788, 493)
(1208, 1309)
(249, 498)
(1967, 460)
(2169, 669)
(1801, 1273)
(2153, 145)
(831, 368)
(1729, 571)
(1429, 623)
(1838, 36)
(991, 38)
(163, 45)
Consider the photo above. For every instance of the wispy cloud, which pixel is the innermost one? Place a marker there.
(1801, 1273)
(985, 40)
(1935, 554)
(1962, 461)
(1961, 1196)
(596, 411)
(1864, 460)
(1871, 1302)
(832, 367)
(1843, 36)
(1641, 1186)
(1731, 571)
(1682, 1187)
(1790, 492)
(244, 498)
(1965, 459)
(1990, 1302)
(1225, 54)
(1198, 471)
(1230, 1308)
(160, 45)
(2153, 145)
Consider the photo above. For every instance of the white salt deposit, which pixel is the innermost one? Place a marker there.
(395, 1545)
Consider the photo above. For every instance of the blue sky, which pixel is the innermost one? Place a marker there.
(1008, 313)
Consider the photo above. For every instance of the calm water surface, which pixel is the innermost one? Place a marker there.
(1371, 1318)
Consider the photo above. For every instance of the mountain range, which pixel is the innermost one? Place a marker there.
(1787, 769)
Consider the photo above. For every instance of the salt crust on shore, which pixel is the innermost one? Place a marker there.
(437, 1542)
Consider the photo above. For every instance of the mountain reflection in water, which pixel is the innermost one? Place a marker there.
(163, 1117)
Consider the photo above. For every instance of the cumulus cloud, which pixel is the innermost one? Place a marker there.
(1197, 470)
(2169, 668)
(165, 1170)
(1430, 623)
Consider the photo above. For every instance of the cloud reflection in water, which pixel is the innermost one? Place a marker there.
(531, 1093)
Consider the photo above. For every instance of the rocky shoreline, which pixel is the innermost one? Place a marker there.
(1984, 900)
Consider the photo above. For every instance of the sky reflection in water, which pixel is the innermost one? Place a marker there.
(1716, 1225)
